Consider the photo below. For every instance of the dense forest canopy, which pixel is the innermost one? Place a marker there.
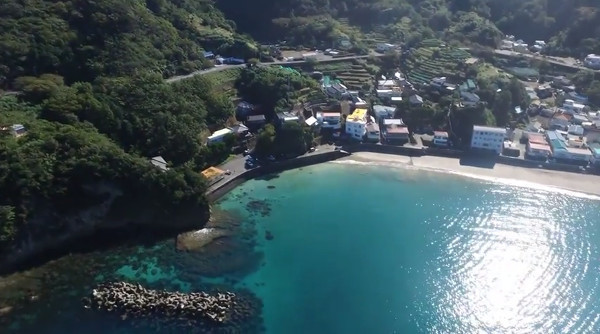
(83, 39)
(87, 135)
(571, 26)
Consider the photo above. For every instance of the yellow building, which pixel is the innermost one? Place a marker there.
(356, 124)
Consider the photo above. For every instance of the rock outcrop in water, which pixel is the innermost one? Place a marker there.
(136, 301)
(193, 241)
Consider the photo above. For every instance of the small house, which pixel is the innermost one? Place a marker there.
(415, 100)
(384, 47)
(256, 120)
(160, 163)
(240, 130)
(373, 133)
(218, 135)
(18, 130)
(330, 120)
(468, 86)
(244, 109)
(395, 131)
(287, 117)
(560, 121)
(311, 121)
(469, 99)
(440, 138)
(575, 130)
(382, 112)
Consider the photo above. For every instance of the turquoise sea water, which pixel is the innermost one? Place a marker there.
(367, 249)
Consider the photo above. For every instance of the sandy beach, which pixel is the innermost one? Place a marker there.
(520, 176)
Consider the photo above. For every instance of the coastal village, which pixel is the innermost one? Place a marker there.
(558, 129)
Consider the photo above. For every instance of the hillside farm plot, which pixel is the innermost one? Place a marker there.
(428, 62)
(225, 79)
(352, 75)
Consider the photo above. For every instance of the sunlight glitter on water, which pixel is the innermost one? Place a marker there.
(517, 268)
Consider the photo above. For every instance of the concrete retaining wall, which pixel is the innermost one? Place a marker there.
(218, 192)
(387, 149)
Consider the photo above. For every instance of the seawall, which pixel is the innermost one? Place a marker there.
(458, 154)
(218, 191)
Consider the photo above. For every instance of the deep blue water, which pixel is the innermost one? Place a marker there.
(366, 249)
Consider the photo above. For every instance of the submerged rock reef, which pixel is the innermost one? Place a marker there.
(133, 300)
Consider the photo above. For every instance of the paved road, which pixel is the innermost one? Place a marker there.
(324, 59)
(237, 165)
(567, 62)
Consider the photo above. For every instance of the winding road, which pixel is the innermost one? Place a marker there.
(322, 59)
(566, 62)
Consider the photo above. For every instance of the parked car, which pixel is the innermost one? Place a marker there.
(247, 152)
(271, 158)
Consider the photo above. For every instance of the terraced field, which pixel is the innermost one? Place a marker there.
(353, 76)
(426, 63)
(225, 79)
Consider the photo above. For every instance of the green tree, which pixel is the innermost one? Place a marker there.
(518, 93)
(8, 229)
(265, 141)
(502, 107)
(291, 139)
(37, 89)
(583, 78)
(593, 92)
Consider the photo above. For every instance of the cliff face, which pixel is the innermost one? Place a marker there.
(112, 213)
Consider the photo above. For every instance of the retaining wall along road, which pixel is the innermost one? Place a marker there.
(216, 193)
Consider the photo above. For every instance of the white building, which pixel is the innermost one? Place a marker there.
(218, 135)
(330, 120)
(440, 138)
(356, 124)
(387, 84)
(592, 61)
(488, 138)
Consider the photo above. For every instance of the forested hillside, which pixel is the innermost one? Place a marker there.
(82, 39)
(85, 154)
(572, 26)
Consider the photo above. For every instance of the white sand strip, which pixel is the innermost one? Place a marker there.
(514, 175)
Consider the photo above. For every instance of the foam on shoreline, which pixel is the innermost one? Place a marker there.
(416, 164)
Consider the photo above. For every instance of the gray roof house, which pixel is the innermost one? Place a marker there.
(159, 162)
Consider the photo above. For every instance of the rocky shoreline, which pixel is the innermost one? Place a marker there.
(133, 300)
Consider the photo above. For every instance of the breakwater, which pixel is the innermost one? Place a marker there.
(133, 300)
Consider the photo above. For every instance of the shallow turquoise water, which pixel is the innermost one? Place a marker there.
(373, 249)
